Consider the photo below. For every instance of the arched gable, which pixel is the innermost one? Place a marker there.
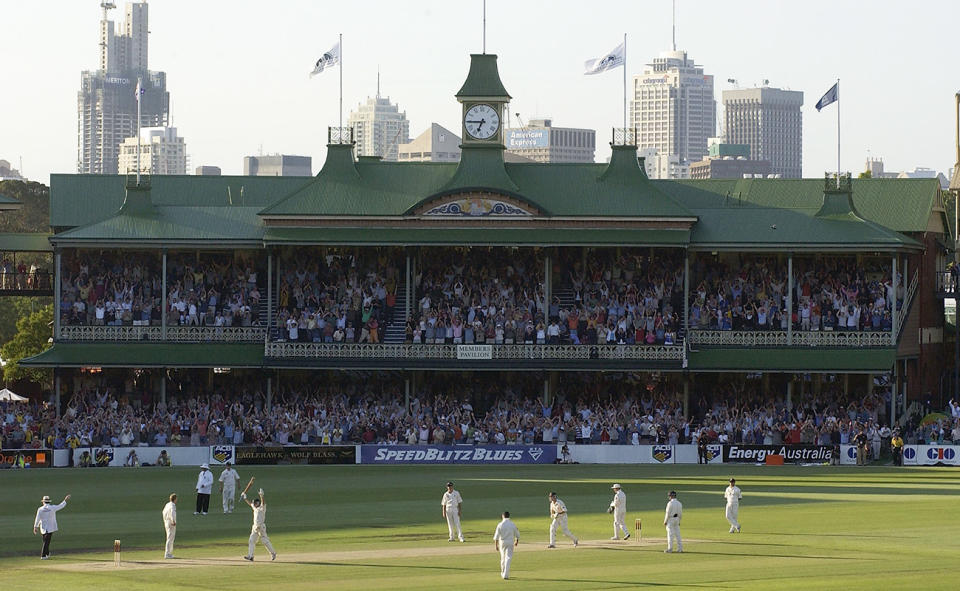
(475, 204)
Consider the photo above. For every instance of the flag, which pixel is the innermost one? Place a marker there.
(139, 91)
(832, 96)
(327, 60)
(614, 59)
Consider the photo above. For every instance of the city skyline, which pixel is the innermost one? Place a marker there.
(217, 78)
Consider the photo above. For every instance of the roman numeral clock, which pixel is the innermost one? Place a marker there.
(481, 121)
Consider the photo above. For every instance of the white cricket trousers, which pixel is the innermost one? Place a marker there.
(453, 524)
(620, 523)
(732, 511)
(560, 522)
(674, 542)
(259, 532)
(171, 535)
(506, 555)
(229, 496)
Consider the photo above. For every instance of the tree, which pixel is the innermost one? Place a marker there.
(34, 214)
(33, 337)
(867, 174)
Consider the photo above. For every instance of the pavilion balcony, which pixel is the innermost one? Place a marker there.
(176, 334)
(779, 338)
(474, 352)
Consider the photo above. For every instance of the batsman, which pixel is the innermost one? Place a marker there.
(259, 531)
(618, 506)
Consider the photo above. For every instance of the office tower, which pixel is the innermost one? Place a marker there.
(162, 151)
(770, 122)
(379, 127)
(106, 102)
(278, 165)
(436, 144)
(540, 141)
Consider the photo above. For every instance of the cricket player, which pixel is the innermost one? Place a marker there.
(618, 506)
(259, 531)
(505, 539)
(204, 486)
(46, 520)
(452, 507)
(558, 513)
(228, 487)
(170, 524)
(671, 519)
(733, 496)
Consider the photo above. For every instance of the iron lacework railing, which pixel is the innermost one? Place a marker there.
(778, 338)
(489, 352)
(175, 334)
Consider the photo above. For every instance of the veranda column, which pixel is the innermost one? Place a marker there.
(163, 294)
(894, 387)
(56, 295)
(790, 393)
(269, 393)
(686, 397)
(686, 295)
(163, 385)
(547, 282)
(407, 296)
(269, 318)
(406, 381)
(790, 299)
(893, 305)
(56, 387)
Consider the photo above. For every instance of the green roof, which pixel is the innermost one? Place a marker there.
(25, 243)
(376, 188)
(792, 359)
(483, 80)
(792, 213)
(9, 203)
(902, 205)
(487, 236)
(81, 199)
(223, 226)
(147, 355)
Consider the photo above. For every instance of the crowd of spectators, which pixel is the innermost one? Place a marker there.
(479, 295)
(835, 294)
(372, 409)
(112, 289)
(216, 290)
(23, 276)
(337, 296)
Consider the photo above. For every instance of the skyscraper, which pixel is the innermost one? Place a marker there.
(673, 108)
(770, 122)
(162, 151)
(540, 141)
(106, 103)
(379, 127)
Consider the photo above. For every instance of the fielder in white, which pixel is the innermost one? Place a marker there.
(228, 487)
(558, 514)
(170, 524)
(671, 519)
(733, 496)
(259, 531)
(505, 539)
(618, 506)
(452, 504)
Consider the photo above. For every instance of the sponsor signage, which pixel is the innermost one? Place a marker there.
(519, 139)
(296, 454)
(931, 455)
(474, 351)
(221, 454)
(662, 454)
(458, 454)
(26, 458)
(797, 454)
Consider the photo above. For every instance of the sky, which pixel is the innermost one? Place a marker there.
(238, 70)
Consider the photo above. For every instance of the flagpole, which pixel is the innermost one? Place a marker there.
(139, 86)
(625, 90)
(340, 129)
(838, 133)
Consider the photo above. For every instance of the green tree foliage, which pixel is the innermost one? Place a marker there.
(867, 174)
(32, 337)
(34, 215)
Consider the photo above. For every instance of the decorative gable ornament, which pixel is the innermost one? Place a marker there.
(478, 206)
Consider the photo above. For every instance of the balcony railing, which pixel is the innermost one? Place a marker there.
(777, 338)
(177, 334)
(36, 283)
(473, 352)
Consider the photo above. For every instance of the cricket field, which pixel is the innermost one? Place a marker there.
(376, 527)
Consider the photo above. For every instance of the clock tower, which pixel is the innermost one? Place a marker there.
(483, 99)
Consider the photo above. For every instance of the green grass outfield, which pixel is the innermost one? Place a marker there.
(379, 528)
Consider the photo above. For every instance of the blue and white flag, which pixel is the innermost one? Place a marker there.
(832, 96)
(614, 59)
(327, 60)
(140, 90)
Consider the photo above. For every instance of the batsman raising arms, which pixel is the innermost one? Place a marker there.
(259, 531)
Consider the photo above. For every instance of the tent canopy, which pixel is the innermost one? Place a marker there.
(8, 396)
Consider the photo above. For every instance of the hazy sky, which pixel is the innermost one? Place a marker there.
(237, 71)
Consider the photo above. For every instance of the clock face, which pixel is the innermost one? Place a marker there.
(481, 121)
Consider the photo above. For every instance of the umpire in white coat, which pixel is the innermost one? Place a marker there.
(204, 487)
(46, 520)
(618, 506)
(671, 519)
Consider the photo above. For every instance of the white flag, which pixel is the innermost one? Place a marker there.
(612, 60)
(327, 60)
